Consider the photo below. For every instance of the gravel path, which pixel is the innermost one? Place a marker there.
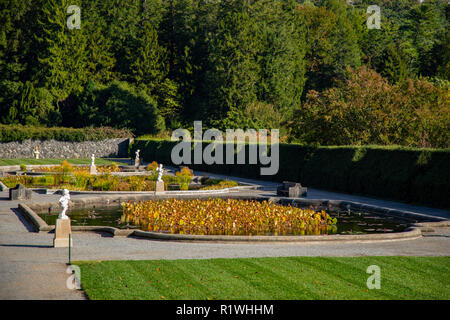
(30, 268)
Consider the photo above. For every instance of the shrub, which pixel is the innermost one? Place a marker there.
(184, 177)
(118, 105)
(81, 180)
(114, 167)
(152, 166)
(366, 109)
(18, 132)
(66, 167)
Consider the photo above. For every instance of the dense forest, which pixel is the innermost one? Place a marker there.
(311, 68)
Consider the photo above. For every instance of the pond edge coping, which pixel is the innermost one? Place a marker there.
(413, 232)
(166, 192)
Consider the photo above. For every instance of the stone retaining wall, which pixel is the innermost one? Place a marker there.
(65, 149)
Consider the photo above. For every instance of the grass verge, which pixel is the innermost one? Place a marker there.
(267, 278)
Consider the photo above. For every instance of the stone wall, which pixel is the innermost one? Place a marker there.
(65, 149)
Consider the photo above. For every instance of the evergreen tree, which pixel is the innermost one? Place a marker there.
(395, 67)
(332, 43)
(64, 59)
(16, 57)
(427, 28)
(149, 70)
(180, 35)
(235, 72)
(256, 56)
(70, 57)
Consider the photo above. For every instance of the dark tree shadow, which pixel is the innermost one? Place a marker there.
(26, 245)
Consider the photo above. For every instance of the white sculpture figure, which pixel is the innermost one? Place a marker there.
(160, 172)
(136, 160)
(93, 169)
(64, 201)
(36, 152)
(137, 154)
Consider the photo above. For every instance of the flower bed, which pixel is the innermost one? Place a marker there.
(67, 168)
(78, 178)
(82, 181)
(225, 217)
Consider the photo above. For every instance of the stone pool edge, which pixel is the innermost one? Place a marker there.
(413, 232)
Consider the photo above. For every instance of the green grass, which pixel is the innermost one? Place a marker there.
(11, 162)
(267, 278)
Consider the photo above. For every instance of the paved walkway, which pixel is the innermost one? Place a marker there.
(30, 268)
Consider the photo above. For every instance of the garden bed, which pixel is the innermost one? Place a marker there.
(110, 178)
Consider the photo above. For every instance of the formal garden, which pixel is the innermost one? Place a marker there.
(101, 157)
(78, 178)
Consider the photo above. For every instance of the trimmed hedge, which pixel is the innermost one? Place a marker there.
(19, 132)
(398, 173)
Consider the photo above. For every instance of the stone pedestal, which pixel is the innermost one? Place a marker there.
(159, 186)
(62, 232)
(93, 169)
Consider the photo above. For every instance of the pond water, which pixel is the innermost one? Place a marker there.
(348, 222)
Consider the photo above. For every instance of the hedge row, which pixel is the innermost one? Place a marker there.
(18, 132)
(398, 173)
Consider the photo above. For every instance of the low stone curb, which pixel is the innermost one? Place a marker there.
(114, 231)
(410, 233)
(430, 226)
(37, 221)
(3, 187)
(172, 192)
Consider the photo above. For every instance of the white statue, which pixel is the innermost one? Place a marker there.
(64, 201)
(93, 160)
(160, 172)
(36, 152)
(136, 161)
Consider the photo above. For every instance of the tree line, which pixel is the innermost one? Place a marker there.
(311, 68)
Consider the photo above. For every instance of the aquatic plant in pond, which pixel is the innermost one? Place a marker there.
(347, 222)
(214, 184)
(228, 217)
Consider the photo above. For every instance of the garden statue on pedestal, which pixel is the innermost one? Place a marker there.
(93, 169)
(137, 160)
(160, 182)
(64, 201)
(63, 229)
(36, 152)
(160, 172)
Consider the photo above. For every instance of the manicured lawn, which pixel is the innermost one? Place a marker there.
(11, 162)
(267, 278)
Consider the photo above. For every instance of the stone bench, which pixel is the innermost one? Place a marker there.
(19, 192)
(292, 190)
